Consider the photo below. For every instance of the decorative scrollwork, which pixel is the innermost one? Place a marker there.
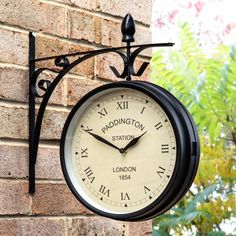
(62, 61)
(42, 84)
(140, 70)
(115, 71)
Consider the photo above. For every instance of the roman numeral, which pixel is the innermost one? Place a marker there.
(146, 189)
(165, 148)
(87, 129)
(84, 152)
(104, 190)
(161, 171)
(143, 110)
(89, 174)
(122, 105)
(102, 113)
(125, 196)
(158, 125)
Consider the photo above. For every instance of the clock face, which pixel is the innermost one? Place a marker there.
(119, 150)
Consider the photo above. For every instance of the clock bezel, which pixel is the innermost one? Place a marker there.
(170, 195)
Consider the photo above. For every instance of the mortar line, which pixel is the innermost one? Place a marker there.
(24, 105)
(11, 65)
(15, 28)
(24, 143)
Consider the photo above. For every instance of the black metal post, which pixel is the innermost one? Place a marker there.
(31, 113)
(128, 61)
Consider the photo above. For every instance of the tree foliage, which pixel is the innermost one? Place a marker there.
(206, 85)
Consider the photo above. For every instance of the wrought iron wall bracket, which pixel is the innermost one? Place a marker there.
(63, 62)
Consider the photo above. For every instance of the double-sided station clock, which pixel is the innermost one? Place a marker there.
(129, 150)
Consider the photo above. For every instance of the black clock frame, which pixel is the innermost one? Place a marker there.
(188, 151)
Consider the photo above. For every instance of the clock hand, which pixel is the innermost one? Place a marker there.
(133, 142)
(99, 138)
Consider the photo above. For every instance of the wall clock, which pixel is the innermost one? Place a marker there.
(129, 150)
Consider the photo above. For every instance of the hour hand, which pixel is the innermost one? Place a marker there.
(101, 139)
(133, 142)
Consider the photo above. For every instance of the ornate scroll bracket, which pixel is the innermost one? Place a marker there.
(62, 61)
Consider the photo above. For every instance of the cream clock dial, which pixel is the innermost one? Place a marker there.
(120, 150)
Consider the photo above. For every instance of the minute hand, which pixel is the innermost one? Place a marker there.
(133, 142)
(99, 138)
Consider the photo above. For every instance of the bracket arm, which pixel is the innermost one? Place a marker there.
(62, 61)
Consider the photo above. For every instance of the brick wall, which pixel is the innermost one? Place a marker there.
(61, 26)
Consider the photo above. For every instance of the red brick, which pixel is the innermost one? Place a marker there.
(52, 47)
(55, 199)
(85, 4)
(96, 226)
(94, 29)
(13, 122)
(32, 226)
(79, 87)
(53, 122)
(13, 47)
(14, 84)
(83, 26)
(16, 159)
(48, 164)
(141, 10)
(14, 197)
(34, 15)
(140, 228)
(111, 33)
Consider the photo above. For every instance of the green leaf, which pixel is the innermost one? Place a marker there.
(159, 233)
(199, 198)
(218, 233)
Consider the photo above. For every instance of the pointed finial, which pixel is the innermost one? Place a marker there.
(128, 28)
